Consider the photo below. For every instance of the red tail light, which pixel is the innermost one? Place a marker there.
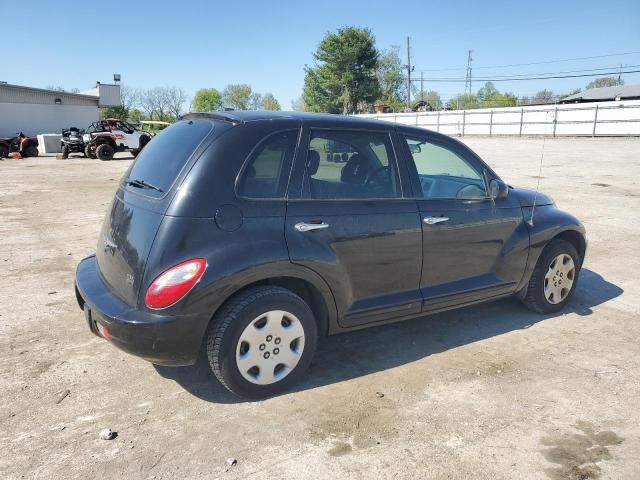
(174, 283)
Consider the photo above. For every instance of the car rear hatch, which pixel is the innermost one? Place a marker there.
(141, 201)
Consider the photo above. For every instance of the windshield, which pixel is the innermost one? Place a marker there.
(162, 158)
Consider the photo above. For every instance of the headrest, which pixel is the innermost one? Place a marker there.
(313, 162)
(355, 171)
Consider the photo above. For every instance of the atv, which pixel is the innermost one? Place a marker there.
(125, 137)
(71, 142)
(26, 146)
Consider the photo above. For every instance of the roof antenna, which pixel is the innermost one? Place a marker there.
(535, 197)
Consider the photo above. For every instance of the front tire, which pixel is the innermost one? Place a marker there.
(261, 342)
(105, 152)
(88, 153)
(554, 279)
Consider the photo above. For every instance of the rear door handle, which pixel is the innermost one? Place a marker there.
(434, 220)
(307, 227)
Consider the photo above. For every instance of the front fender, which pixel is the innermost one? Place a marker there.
(548, 222)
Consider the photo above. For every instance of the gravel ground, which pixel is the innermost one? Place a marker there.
(493, 391)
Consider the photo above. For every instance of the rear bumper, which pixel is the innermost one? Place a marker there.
(160, 339)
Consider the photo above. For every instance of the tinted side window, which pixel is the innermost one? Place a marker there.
(265, 174)
(350, 165)
(164, 156)
(443, 173)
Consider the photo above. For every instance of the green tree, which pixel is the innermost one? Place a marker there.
(255, 101)
(486, 92)
(489, 97)
(237, 96)
(501, 100)
(391, 79)
(345, 72)
(136, 115)
(462, 102)
(207, 100)
(605, 82)
(269, 102)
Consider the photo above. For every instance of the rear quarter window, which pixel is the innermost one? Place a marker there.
(163, 157)
(266, 172)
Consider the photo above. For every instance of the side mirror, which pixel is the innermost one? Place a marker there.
(498, 189)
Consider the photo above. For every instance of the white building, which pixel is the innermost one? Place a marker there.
(36, 111)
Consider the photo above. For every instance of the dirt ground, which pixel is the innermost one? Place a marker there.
(489, 392)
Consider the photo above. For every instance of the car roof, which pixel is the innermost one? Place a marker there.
(247, 116)
(314, 119)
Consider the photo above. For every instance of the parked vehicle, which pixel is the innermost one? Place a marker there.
(233, 229)
(26, 146)
(117, 134)
(71, 142)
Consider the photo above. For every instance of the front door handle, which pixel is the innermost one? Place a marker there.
(434, 220)
(307, 227)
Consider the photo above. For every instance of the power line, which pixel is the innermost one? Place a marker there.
(589, 70)
(537, 63)
(515, 79)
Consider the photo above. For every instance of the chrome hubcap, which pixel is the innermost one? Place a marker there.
(270, 347)
(559, 278)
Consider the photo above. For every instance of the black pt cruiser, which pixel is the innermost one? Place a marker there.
(250, 234)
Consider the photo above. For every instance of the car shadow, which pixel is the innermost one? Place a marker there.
(388, 346)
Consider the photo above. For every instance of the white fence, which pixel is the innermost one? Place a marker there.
(620, 118)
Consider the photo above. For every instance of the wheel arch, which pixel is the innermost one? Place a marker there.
(551, 223)
(576, 239)
(300, 280)
(301, 287)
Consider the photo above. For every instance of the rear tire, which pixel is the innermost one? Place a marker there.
(4, 151)
(105, 152)
(30, 151)
(261, 342)
(541, 296)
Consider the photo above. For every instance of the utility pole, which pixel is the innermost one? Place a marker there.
(421, 86)
(409, 70)
(467, 83)
(620, 75)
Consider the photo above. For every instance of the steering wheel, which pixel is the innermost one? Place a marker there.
(369, 181)
(470, 191)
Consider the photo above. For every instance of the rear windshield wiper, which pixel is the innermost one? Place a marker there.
(142, 184)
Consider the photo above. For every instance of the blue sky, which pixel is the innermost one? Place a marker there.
(195, 44)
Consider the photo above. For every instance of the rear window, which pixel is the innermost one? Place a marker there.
(163, 157)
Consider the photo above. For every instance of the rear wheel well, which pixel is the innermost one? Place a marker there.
(574, 238)
(304, 289)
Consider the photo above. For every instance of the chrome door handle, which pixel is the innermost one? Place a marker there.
(307, 227)
(434, 220)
